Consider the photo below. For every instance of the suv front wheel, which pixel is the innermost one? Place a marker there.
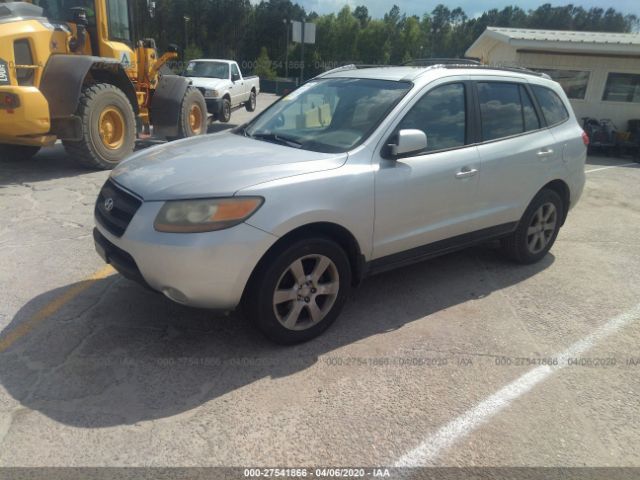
(537, 230)
(300, 292)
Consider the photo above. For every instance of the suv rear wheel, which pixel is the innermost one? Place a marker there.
(300, 292)
(537, 230)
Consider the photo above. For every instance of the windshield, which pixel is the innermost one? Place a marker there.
(330, 115)
(60, 10)
(208, 70)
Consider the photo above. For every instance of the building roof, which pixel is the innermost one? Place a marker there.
(557, 41)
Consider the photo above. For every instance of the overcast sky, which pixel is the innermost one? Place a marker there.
(377, 8)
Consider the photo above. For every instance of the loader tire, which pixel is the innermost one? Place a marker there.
(108, 127)
(193, 115)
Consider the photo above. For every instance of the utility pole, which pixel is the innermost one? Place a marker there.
(286, 52)
(186, 33)
(302, 55)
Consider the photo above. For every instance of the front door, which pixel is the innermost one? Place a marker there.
(429, 196)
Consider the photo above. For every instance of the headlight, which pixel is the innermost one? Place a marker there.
(211, 93)
(192, 216)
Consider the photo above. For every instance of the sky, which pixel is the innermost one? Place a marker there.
(377, 8)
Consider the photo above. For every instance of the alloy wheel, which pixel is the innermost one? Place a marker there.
(306, 292)
(542, 227)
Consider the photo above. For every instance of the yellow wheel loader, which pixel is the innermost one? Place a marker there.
(71, 70)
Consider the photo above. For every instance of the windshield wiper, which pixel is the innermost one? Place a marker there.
(276, 138)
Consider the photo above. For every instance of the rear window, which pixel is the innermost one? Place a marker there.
(505, 109)
(552, 107)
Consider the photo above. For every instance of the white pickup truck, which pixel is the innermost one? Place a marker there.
(223, 86)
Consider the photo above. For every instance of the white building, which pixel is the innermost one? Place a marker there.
(599, 71)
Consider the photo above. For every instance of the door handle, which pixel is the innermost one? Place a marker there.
(466, 172)
(547, 152)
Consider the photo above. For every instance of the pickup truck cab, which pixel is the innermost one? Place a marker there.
(223, 86)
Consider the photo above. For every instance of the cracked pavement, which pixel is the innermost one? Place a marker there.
(120, 376)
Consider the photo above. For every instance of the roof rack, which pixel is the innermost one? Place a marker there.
(434, 63)
(351, 66)
(480, 66)
(428, 62)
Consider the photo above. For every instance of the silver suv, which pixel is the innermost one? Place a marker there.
(356, 172)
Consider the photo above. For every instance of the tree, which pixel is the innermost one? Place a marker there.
(264, 68)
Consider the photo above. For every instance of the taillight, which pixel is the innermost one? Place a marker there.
(9, 101)
(585, 138)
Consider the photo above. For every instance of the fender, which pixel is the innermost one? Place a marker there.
(166, 104)
(64, 76)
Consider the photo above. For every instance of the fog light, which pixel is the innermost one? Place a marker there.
(175, 295)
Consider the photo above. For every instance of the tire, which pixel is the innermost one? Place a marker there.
(108, 127)
(310, 310)
(225, 112)
(537, 230)
(251, 104)
(17, 152)
(193, 115)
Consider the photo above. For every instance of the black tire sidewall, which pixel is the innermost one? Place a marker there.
(251, 104)
(225, 111)
(258, 304)
(110, 97)
(545, 196)
(192, 96)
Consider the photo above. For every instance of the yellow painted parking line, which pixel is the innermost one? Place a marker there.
(52, 307)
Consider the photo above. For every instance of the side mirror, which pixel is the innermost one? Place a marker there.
(408, 141)
(235, 77)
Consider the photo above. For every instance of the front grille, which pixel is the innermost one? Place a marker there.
(123, 206)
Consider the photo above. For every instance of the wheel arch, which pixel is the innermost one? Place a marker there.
(166, 104)
(332, 231)
(65, 76)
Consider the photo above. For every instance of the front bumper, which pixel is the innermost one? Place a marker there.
(214, 105)
(206, 270)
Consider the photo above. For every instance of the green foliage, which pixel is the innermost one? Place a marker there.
(264, 68)
(193, 51)
(239, 29)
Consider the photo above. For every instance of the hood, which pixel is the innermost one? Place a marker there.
(208, 83)
(215, 165)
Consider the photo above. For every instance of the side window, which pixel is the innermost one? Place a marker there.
(234, 70)
(553, 109)
(531, 120)
(501, 110)
(441, 114)
(119, 27)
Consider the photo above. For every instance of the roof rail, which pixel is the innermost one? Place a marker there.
(351, 66)
(479, 66)
(514, 68)
(428, 62)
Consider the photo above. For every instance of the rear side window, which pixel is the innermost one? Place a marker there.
(441, 114)
(501, 110)
(552, 107)
(529, 115)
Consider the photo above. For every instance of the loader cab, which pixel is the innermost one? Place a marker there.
(109, 24)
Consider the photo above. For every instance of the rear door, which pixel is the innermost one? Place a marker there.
(516, 149)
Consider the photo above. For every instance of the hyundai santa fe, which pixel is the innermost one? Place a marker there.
(356, 172)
